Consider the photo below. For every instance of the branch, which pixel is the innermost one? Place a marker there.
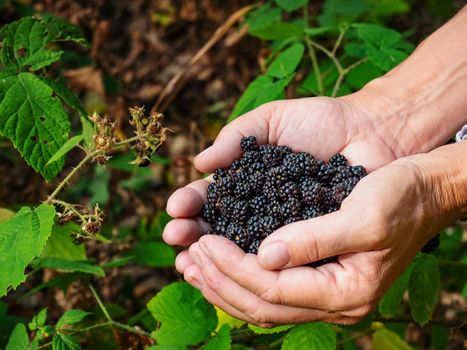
(314, 62)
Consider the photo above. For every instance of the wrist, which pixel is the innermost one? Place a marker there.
(421, 103)
(444, 176)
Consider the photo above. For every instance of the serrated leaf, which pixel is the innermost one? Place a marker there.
(18, 339)
(291, 5)
(278, 329)
(278, 31)
(66, 95)
(22, 238)
(310, 336)
(286, 63)
(60, 245)
(377, 36)
(25, 42)
(221, 341)
(70, 317)
(166, 347)
(186, 317)
(67, 147)
(389, 304)
(424, 287)
(68, 266)
(154, 254)
(33, 119)
(64, 342)
(363, 74)
(336, 12)
(384, 339)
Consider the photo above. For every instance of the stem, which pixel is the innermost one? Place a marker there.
(314, 62)
(337, 85)
(68, 177)
(46, 345)
(446, 262)
(127, 141)
(329, 54)
(355, 64)
(339, 40)
(69, 206)
(402, 319)
(356, 336)
(101, 304)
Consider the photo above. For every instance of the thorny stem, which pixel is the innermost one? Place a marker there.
(101, 305)
(89, 156)
(68, 177)
(69, 206)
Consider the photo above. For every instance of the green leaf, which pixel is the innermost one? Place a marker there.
(263, 16)
(60, 245)
(286, 63)
(38, 321)
(154, 254)
(221, 341)
(424, 287)
(22, 238)
(66, 95)
(363, 74)
(186, 317)
(384, 47)
(336, 12)
(25, 42)
(389, 304)
(70, 317)
(310, 336)
(68, 266)
(384, 339)
(18, 339)
(389, 7)
(166, 347)
(291, 5)
(278, 329)
(88, 132)
(246, 101)
(67, 147)
(33, 119)
(64, 342)
(278, 31)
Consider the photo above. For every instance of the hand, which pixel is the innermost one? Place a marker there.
(378, 230)
(321, 126)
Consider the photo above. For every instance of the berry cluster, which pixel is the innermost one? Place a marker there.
(271, 186)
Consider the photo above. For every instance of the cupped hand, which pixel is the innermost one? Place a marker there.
(378, 230)
(321, 126)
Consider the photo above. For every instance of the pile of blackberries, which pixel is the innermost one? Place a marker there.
(271, 186)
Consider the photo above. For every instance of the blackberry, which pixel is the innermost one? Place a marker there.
(338, 160)
(311, 191)
(271, 186)
(248, 143)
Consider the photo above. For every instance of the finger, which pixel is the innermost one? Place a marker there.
(183, 261)
(226, 147)
(188, 201)
(330, 287)
(184, 231)
(249, 303)
(311, 240)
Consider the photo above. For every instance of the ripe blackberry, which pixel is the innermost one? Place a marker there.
(311, 191)
(338, 160)
(269, 187)
(248, 143)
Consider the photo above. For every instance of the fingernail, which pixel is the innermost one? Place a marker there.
(274, 255)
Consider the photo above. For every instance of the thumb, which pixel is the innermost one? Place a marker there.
(311, 240)
(226, 148)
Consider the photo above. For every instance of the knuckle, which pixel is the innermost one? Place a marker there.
(259, 317)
